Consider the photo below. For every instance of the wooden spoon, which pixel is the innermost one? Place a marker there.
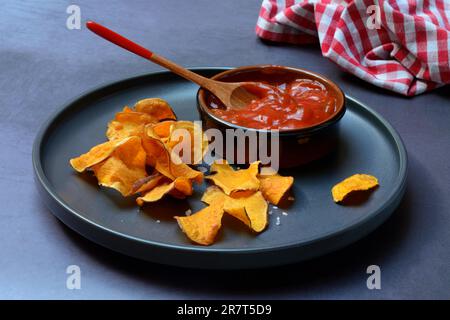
(232, 94)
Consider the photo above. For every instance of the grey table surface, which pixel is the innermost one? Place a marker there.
(43, 64)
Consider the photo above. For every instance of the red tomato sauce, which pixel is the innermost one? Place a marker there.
(285, 102)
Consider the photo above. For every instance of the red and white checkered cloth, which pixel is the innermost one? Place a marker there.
(406, 50)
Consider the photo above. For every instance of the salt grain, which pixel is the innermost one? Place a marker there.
(275, 207)
(158, 221)
(188, 212)
(278, 222)
(270, 212)
(284, 213)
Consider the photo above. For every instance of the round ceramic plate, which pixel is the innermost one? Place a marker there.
(313, 225)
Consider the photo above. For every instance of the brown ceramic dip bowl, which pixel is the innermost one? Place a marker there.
(301, 140)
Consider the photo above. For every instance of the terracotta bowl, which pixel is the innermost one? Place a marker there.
(296, 146)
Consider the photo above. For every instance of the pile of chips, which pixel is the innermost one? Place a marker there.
(137, 160)
(242, 194)
(137, 157)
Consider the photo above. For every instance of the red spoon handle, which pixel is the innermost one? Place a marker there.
(129, 45)
(118, 39)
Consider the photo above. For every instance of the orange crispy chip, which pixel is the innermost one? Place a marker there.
(128, 123)
(184, 186)
(147, 183)
(157, 108)
(162, 129)
(187, 135)
(274, 187)
(203, 226)
(233, 182)
(127, 109)
(180, 169)
(131, 122)
(357, 182)
(123, 167)
(156, 193)
(181, 187)
(251, 210)
(164, 161)
(95, 155)
(156, 151)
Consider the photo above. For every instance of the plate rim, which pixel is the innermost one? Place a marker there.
(41, 178)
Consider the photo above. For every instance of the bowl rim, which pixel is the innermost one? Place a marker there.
(202, 107)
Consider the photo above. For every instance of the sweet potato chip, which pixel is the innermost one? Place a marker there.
(274, 187)
(202, 226)
(96, 155)
(119, 131)
(233, 182)
(184, 186)
(157, 108)
(131, 122)
(156, 193)
(162, 129)
(181, 187)
(147, 183)
(357, 182)
(160, 157)
(187, 135)
(124, 166)
(128, 123)
(251, 210)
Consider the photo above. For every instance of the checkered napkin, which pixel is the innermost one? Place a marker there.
(400, 45)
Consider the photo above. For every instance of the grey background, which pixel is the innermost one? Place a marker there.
(43, 64)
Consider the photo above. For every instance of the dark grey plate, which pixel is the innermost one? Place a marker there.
(314, 225)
